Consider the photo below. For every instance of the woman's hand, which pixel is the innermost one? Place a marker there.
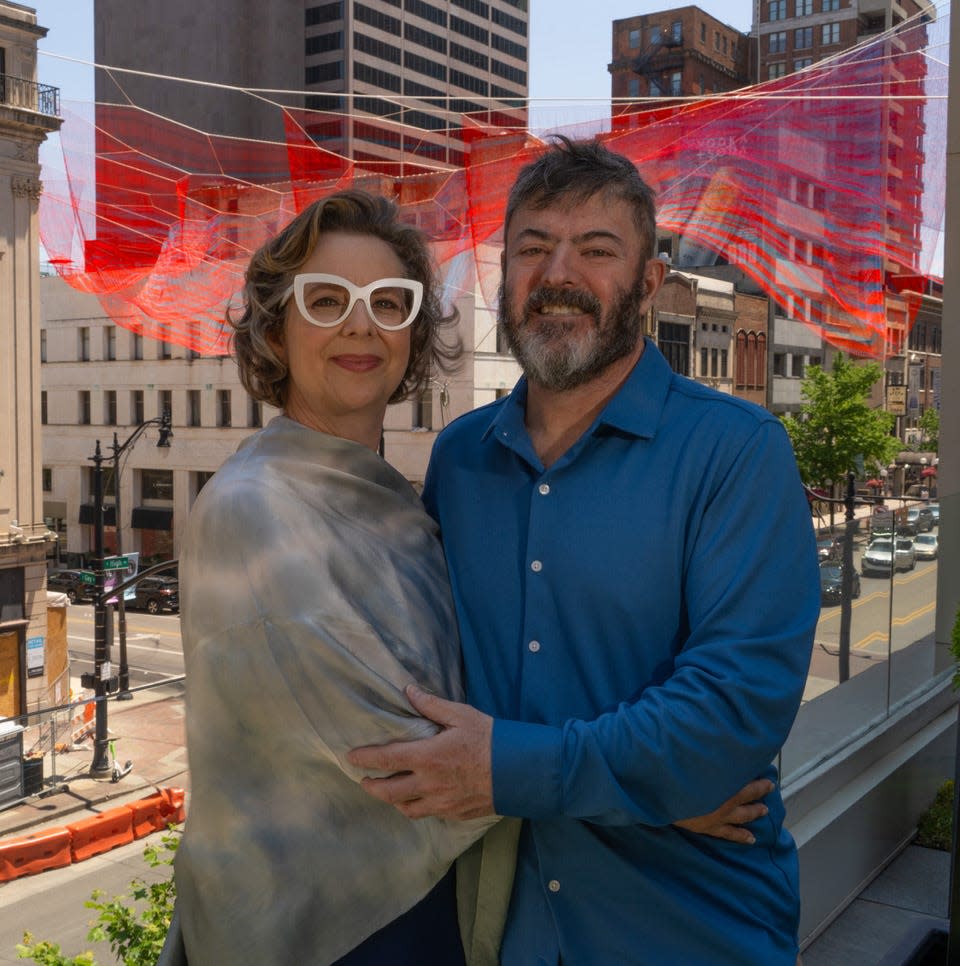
(728, 820)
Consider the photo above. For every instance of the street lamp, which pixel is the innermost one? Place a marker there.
(166, 434)
(103, 681)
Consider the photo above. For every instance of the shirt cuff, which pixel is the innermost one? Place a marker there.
(526, 764)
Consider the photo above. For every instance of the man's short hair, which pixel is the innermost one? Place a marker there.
(571, 171)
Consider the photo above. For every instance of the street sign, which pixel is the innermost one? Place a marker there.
(897, 400)
(115, 563)
(87, 578)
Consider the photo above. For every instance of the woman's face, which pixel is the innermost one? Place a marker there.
(342, 377)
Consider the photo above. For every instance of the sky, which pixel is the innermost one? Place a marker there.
(569, 52)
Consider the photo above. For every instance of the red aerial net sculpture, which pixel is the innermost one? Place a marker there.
(825, 187)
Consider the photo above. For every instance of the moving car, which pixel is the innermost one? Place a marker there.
(79, 585)
(921, 518)
(156, 594)
(925, 546)
(831, 583)
(876, 558)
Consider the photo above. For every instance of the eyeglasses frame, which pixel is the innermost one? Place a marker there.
(357, 293)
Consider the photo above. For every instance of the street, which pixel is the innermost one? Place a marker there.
(154, 651)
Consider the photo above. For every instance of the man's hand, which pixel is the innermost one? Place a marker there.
(727, 821)
(447, 775)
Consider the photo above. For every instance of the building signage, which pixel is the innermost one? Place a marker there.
(897, 400)
(34, 657)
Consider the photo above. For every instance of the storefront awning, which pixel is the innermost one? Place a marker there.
(88, 514)
(152, 518)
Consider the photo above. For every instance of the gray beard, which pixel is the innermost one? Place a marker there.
(548, 354)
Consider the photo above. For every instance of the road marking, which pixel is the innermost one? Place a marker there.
(897, 622)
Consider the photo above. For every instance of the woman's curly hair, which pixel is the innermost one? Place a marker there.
(434, 342)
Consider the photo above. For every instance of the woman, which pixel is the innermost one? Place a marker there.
(313, 590)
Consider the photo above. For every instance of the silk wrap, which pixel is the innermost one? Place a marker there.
(313, 589)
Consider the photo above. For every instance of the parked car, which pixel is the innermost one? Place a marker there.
(831, 583)
(921, 518)
(79, 585)
(877, 557)
(925, 546)
(156, 594)
(934, 509)
(829, 547)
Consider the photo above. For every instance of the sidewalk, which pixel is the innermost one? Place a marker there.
(149, 731)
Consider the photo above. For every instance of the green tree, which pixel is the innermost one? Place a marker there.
(136, 932)
(836, 431)
(930, 430)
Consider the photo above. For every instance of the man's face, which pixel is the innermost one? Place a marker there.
(573, 290)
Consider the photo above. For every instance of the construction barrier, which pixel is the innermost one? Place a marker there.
(49, 849)
(157, 812)
(54, 848)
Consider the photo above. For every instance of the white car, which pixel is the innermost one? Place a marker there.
(925, 546)
(876, 558)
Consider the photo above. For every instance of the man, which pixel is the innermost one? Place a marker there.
(635, 576)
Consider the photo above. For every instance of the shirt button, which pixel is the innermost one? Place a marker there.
(553, 885)
(534, 646)
(536, 566)
(544, 489)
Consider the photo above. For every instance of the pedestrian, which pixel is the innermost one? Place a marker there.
(635, 576)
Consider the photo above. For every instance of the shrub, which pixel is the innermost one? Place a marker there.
(935, 827)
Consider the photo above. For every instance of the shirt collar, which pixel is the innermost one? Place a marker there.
(635, 408)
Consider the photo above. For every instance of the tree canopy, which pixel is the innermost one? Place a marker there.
(836, 431)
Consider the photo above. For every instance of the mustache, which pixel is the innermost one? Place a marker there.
(564, 297)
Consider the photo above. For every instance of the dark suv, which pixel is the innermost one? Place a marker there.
(155, 594)
(78, 585)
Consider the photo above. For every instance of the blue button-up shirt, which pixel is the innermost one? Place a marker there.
(638, 619)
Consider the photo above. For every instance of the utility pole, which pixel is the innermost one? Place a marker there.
(103, 680)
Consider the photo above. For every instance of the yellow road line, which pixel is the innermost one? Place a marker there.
(897, 622)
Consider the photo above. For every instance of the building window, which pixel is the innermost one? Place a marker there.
(508, 47)
(723, 363)
(323, 43)
(676, 31)
(778, 10)
(223, 407)
(830, 33)
(318, 73)
(47, 479)
(137, 346)
(156, 485)
(803, 38)
(481, 9)
(804, 8)
(468, 29)
(43, 407)
(716, 40)
(200, 479)
(83, 349)
(676, 79)
(324, 13)
(254, 412)
(193, 407)
(514, 24)
(376, 48)
(423, 411)
(655, 37)
(427, 11)
(83, 415)
(778, 42)
(714, 355)
(828, 5)
(674, 342)
(703, 32)
(467, 55)
(43, 345)
(800, 63)
(136, 407)
(634, 39)
(110, 342)
(779, 363)
(633, 87)
(425, 38)
(703, 362)
(110, 408)
(776, 70)
(165, 401)
(165, 350)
